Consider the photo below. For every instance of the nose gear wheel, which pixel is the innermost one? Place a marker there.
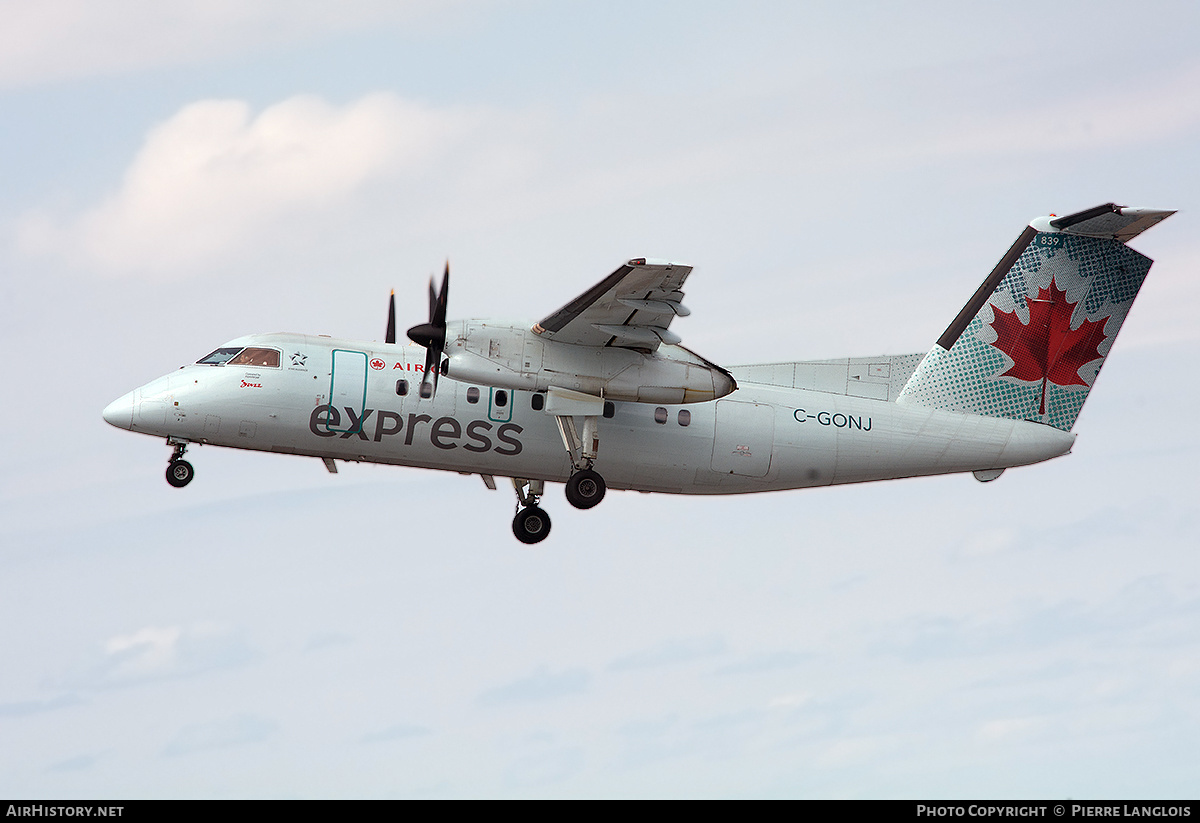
(180, 473)
(531, 524)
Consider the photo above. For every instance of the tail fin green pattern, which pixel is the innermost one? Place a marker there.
(1030, 343)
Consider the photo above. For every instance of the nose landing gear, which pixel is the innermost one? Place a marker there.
(179, 471)
(532, 524)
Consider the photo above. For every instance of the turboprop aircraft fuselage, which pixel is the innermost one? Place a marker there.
(355, 401)
(600, 393)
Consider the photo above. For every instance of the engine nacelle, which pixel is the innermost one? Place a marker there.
(514, 357)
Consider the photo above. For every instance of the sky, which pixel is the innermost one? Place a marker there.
(841, 176)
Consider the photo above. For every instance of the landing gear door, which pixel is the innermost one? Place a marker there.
(347, 391)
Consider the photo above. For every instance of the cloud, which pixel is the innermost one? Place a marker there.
(1131, 115)
(790, 701)
(23, 708)
(654, 727)
(1138, 605)
(853, 751)
(74, 764)
(1139, 110)
(402, 731)
(327, 640)
(767, 662)
(216, 175)
(1010, 728)
(162, 652)
(670, 653)
(43, 42)
(539, 686)
(219, 181)
(221, 734)
(988, 541)
(545, 768)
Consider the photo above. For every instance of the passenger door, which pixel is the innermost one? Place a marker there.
(347, 391)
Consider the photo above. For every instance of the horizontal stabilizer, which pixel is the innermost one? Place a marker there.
(1110, 221)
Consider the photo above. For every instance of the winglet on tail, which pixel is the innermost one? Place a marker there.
(1031, 340)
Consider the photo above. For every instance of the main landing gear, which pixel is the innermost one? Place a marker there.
(585, 487)
(532, 524)
(179, 471)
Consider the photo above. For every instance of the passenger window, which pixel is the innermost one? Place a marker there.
(401, 387)
(537, 401)
(685, 417)
(500, 398)
(660, 415)
(268, 358)
(609, 408)
(472, 395)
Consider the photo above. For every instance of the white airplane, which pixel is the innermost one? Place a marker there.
(533, 402)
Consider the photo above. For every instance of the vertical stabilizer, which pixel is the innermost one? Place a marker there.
(1031, 341)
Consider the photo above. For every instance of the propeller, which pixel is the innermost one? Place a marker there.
(432, 335)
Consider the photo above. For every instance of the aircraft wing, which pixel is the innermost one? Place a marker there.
(631, 308)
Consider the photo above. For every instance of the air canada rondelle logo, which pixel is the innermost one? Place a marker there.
(377, 364)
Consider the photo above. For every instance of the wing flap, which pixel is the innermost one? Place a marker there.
(632, 308)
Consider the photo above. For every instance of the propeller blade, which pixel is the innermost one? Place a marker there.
(432, 367)
(390, 337)
(438, 316)
(432, 335)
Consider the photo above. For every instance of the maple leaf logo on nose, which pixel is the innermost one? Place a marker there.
(1047, 348)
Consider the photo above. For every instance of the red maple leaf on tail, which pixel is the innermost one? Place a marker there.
(1047, 348)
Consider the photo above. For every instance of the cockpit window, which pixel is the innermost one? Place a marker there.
(219, 357)
(257, 357)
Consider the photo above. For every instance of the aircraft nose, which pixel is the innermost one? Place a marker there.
(119, 412)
